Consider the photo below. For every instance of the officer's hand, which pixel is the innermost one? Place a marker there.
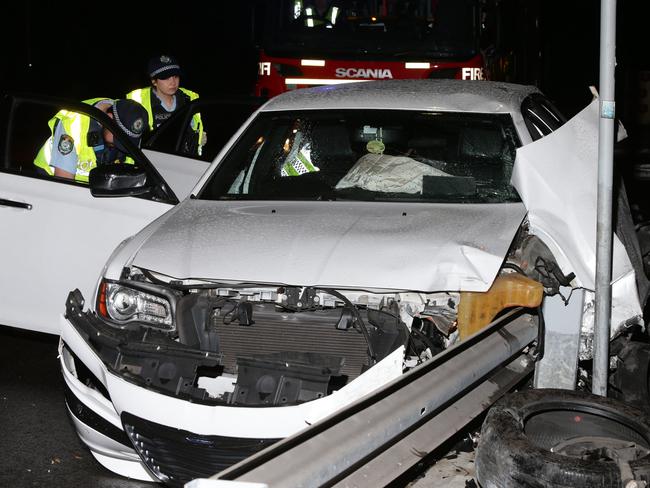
(204, 139)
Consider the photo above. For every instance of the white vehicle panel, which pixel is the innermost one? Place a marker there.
(424, 247)
(180, 173)
(226, 420)
(60, 244)
(558, 185)
(443, 95)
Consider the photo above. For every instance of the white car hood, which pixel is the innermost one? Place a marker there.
(394, 246)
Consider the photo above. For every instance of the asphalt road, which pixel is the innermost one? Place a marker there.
(38, 442)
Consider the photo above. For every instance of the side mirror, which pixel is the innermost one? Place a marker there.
(118, 180)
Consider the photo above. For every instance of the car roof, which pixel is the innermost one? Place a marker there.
(430, 95)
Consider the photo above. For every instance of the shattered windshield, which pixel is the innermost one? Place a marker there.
(347, 28)
(370, 155)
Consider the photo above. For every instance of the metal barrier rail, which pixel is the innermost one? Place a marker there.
(364, 442)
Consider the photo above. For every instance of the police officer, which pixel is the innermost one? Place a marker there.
(79, 143)
(165, 96)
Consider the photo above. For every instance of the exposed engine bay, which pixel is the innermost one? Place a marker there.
(257, 346)
(263, 345)
(267, 345)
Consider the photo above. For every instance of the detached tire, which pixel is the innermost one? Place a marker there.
(547, 438)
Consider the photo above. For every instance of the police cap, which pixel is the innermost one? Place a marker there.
(132, 118)
(162, 67)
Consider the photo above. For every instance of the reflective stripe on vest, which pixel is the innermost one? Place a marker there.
(143, 97)
(76, 125)
(299, 165)
(312, 17)
(197, 124)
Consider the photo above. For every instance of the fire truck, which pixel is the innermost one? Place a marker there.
(322, 42)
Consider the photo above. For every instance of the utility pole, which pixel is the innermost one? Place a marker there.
(605, 177)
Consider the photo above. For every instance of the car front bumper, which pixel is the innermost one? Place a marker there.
(144, 434)
(97, 423)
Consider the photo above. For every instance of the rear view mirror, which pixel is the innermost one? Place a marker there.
(118, 180)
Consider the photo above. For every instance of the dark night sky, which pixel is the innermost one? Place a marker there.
(76, 50)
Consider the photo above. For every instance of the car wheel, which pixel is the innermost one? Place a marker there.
(557, 438)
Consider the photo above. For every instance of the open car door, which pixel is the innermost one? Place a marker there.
(55, 235)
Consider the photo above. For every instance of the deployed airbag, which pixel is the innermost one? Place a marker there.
(388, 174)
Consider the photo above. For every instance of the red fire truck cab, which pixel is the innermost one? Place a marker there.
(321, 42)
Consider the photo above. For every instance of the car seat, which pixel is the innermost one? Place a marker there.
(331, 151)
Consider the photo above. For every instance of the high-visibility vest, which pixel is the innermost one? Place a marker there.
(311, 15)
(143, 97)
(76, 125)
(298, 160)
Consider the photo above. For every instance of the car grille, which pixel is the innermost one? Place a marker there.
(177, 456)
(300, 332)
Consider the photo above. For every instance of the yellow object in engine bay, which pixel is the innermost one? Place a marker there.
(477, 309)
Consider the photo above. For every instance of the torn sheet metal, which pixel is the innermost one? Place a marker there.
(626, 307)
(557, 179)
(275, 422)
(626, 311)
(385, 371)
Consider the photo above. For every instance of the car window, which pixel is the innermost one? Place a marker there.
(370, 155)
(220, 119)
(541, 116)
(37, 138)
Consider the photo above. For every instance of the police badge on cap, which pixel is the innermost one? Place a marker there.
(66, 144)
(132, 119)
(162, 67)
(138, 126)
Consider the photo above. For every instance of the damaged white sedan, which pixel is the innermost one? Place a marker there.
(344, 235)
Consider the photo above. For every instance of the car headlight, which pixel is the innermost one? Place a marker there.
(125, 304)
